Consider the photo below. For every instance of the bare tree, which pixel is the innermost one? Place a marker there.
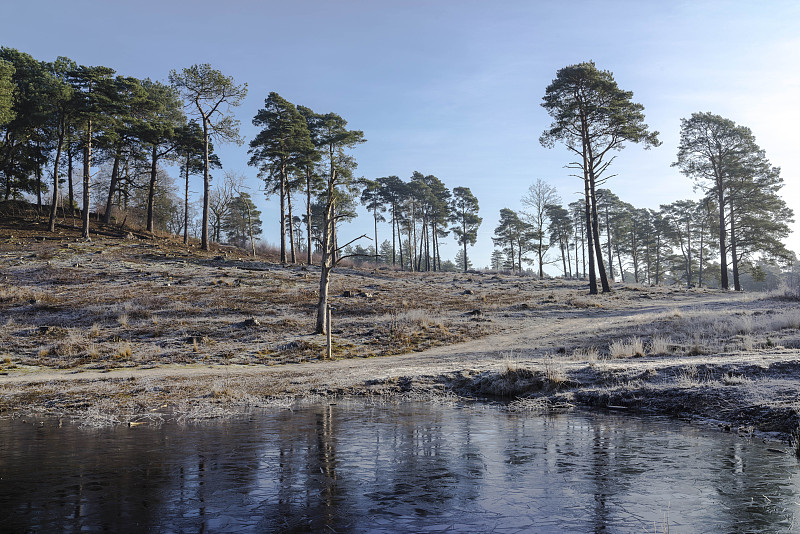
(219, 201)
(539, 196)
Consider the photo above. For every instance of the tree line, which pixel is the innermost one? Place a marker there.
(299, 150)
(741, 212)
(57, 115)
(60, 114)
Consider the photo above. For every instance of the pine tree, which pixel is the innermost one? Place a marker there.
(465, 220)
(725, 161)
(592, 116)
(206, 90)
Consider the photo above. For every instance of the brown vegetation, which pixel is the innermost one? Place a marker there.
(129, 327)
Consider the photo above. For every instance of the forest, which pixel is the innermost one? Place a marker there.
(69, 130)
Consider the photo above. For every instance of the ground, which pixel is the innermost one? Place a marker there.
(130, 328)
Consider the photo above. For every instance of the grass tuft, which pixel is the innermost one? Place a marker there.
(660, 346)
(633, 346)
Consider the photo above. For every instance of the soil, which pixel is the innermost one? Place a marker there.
(132, 327)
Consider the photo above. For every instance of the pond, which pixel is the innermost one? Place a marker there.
(404, 467)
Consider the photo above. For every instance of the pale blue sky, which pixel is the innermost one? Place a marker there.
(453, 88)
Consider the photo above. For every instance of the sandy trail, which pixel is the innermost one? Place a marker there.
(531, 339)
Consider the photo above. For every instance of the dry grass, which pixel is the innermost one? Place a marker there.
(628, 348)
(660, 346)
(590, 354)
(152, 303)
(554, 371)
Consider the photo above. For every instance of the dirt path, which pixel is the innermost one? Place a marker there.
(546, 357)
(527, 340)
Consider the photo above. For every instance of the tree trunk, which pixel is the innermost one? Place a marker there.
(610, 261)
(658, 261)
(412, 241)
(540, 254)
(734, 253)
(71, 189)
(400, 246)
(151, 189)
(8, 174)
(688, 254)
(634, 256)
(723, 256)
(56, 163)
(394, 236)
(308, 217)
(326, 265)
(589, 244)
(112, 187)
(204, 244)
(700, 261)
(186, 203)
(427, 238)
(250, 230)
(87, 162)
(375, 219)
(38, 184)
(334, 236)
(291, 225)
(594, 226)
(282, 193)
(577, 265)
(598, 249)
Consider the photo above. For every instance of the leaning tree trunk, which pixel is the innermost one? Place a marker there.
(57, 161)
(598, 249)
(326, 266)
(112, 188)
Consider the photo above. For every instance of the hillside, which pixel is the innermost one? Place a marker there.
(130, 327)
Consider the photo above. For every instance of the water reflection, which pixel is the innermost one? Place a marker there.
(411, 467)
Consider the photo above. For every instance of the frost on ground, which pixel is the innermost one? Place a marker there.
(133, 330)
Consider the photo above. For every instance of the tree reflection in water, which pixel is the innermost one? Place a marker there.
(359, 467)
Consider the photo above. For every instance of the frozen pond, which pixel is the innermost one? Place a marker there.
(410, 467)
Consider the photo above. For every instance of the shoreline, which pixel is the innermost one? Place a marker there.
(744, 392)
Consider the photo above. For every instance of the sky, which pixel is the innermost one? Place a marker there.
(453, 87)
